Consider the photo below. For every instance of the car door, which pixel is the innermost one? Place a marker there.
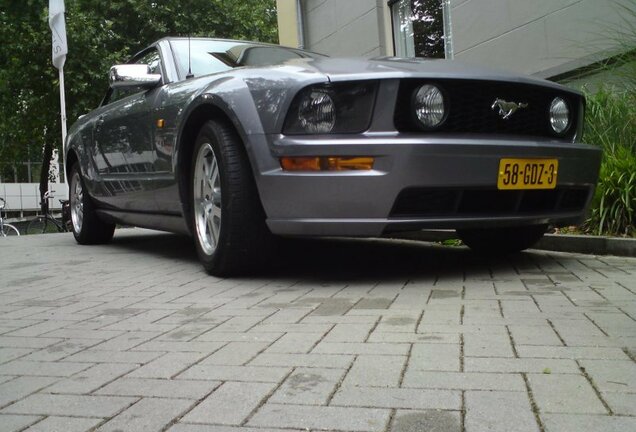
(124, 139)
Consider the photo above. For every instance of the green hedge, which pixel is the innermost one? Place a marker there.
(611, 124)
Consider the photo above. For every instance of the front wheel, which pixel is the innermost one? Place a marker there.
(228, 220)
(88, 228)
(501, 241)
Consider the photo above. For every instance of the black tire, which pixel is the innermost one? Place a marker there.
(40, 225)
(9, 230)
(87, 227)
(228, 221)
(501, 241)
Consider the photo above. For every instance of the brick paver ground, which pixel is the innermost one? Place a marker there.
(346, 335)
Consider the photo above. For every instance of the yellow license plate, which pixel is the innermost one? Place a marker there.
(527, 173)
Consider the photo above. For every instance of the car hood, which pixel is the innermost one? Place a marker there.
(342, 69)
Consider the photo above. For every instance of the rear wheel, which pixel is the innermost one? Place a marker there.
(41, 225)
(9, 230)
(227, 217)
(88, 228)
(501, 241)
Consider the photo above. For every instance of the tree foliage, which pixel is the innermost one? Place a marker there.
(100, 34)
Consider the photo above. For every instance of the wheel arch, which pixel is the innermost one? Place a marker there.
(71, 159)
(208, 108)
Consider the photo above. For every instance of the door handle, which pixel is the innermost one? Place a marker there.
(99, 122)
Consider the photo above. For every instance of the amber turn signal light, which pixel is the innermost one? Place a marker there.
(327, 163)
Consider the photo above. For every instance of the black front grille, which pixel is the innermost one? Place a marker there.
(470, 108)
(431, 202)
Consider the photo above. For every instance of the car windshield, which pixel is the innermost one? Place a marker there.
(212, 56)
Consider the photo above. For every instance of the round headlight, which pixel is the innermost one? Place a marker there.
(317, 112)
(559, 115)
(429, 106)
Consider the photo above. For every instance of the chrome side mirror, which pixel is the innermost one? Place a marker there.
(132, 75)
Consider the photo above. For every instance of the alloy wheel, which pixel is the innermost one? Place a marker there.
(77, 203)
(207, 199)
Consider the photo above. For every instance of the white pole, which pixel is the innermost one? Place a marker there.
(59, 51)
(63, 115)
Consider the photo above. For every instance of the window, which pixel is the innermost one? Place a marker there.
(421, 28)
(211, 56)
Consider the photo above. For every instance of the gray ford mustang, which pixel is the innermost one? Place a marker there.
(236, 143)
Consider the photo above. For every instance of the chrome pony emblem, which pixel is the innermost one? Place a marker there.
(507, 109)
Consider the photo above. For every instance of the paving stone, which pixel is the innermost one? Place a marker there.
(70, 405)
(7, 354)
(308, 386)
(230, 404)
(235, 373)
(290, 316)
(405, 322)
(239, 323)
(621, 403)
(235, 354)
(98, 356)
(571, 352)
(462, 329)
(487, 345)
(612, 376)
(15, 423)
(349, 332)
(321, 417)
(163, 388)
(565, 394)
(38, 329)
(376, 371)
(190, 346)
(520, 365)
(578, 423)
(64, 424)
(397, 398)
(84, 334)
(463, 381)
(147, 415)
(435, 357)
(167, 366)
(28, 342)
(20, 387)
(184, 427)
(90, 379)
(361, 348)
(374, 303)
(252, 336)
(299, 343)
(499, 411)
(291, 328)
(427, 338)
(53, 369)
(429, 421)
(534, 335)
(338, 361)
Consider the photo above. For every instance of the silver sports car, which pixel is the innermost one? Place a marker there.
(236, 143)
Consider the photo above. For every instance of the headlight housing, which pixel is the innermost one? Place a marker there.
(317, 112)
(429, 106)
(336, 108)
(560, 118)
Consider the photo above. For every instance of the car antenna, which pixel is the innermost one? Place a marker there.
(189, 75)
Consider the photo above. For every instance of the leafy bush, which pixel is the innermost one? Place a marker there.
(611, 123)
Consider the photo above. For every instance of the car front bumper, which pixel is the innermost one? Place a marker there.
(458, 171)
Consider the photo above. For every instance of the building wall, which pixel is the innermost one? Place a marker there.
(339, 27)
(541, 37)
